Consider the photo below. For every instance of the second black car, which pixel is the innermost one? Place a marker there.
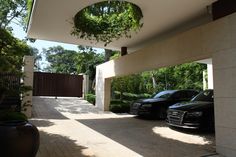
(196, 114)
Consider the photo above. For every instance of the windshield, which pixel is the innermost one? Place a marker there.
(163, 94)
(204, 96)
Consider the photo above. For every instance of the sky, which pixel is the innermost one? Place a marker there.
(19, 33)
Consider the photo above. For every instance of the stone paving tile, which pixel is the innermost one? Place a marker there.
(71, 127)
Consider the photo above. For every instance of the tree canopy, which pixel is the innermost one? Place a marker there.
(72, 62)
(61, 60)
(12, 51)
(107, 20)
(12, 10)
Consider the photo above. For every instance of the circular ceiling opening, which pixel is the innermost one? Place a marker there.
(107, 21)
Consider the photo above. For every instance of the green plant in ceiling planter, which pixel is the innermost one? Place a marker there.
(107, 21)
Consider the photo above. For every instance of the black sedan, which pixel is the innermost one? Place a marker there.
(157, 106)
(196, 114)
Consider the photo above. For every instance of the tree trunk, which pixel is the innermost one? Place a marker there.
(154, 83)
(93, 86)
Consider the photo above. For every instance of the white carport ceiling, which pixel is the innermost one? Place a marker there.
(52, 20)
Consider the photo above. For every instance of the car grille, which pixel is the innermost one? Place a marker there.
(175, 117)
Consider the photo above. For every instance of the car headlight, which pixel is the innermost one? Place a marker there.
(194, 114)
(146, 105)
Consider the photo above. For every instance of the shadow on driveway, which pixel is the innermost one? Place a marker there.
(151, 138)
(46, 108)
(53, 145)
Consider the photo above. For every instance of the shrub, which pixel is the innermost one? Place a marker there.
(144, 96)
(118, 106)
(130, 96)
(116, 95)
(90, 98)
(12, 116)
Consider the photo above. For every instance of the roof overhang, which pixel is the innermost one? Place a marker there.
(52, 20)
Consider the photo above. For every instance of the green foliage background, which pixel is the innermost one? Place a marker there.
(185, 76)
(12, 50)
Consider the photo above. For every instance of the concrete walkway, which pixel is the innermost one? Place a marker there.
(71, 127)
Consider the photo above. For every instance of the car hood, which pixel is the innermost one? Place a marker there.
(195, 105)
(151, 100)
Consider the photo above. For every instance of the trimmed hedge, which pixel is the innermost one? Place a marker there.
(12, 116)
(130, 96)
(118, 106)
(123, 106)
(90, 98)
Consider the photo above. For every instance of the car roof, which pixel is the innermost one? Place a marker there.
(177, 90)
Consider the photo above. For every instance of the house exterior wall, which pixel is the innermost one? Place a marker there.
(216, 39)
(225, 101)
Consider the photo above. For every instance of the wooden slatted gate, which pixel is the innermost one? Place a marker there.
(58, 85)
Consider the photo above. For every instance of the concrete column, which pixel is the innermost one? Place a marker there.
(210, 76)
(28, 81)
(204, 80)
(103, 90)
(224, 67)
(99, 89)
(107, 94)
(85, 85)
(207, 84)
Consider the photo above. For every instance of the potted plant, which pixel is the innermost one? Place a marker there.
(19, 138)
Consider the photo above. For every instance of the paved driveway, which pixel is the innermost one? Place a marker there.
(71, 127)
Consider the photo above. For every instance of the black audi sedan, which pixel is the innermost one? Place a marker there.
(196, 114)
(157, 106)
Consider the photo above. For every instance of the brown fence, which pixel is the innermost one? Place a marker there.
(51, 84)
(10, 95)
(10, 81)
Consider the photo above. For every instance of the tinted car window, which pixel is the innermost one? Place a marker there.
(184, 95)
(204, 96)
(163, 94)
(180, 95)
(190, 94)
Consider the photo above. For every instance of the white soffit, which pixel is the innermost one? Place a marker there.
(52, 20)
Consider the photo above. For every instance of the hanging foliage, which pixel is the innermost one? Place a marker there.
(107, 21)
